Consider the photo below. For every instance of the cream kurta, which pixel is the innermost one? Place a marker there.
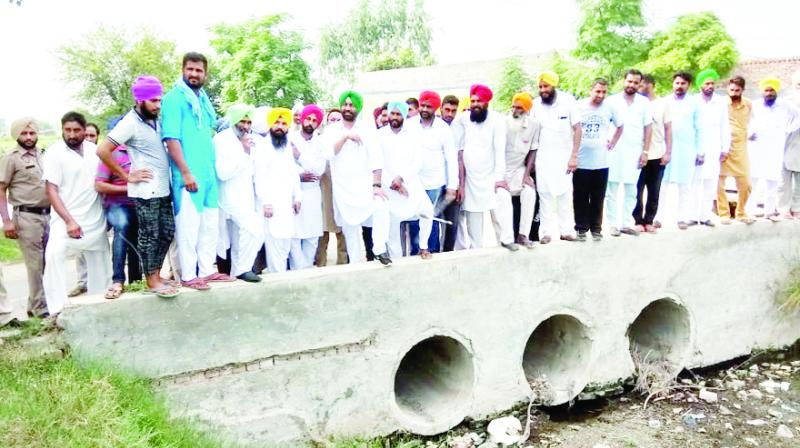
(308, 223)
(402, 157)
(623, 161)
(484, 148)
(235, 171)
(738, 162)
(521, 139)
(277, 185)
(555, 142)
(771, 127)
(713, 133)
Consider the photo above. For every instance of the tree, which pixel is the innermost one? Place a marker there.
(377, 35)
(258, 63)
(513, 79)
(105, 63)
(694, 42)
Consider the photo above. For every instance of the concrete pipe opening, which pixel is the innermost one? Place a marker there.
(659, 338)
(556, 359)
(433, 385)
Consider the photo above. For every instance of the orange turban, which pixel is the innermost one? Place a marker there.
(525, 99)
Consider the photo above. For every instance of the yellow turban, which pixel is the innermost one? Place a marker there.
(19, 125)
(464, 103)
(773, 82)
(279, 112)
(548, 77)
(525, 99)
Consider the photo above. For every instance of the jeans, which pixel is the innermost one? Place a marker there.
(650, 178)
(413, 226)
(588, 194)
(122, 218)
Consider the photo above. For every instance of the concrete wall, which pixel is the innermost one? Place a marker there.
(365, 350)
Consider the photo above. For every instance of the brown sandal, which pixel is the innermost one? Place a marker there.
(196, 283)
(114, 291)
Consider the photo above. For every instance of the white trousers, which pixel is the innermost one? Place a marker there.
(196, 235)
(703, 193)
(244, 248)
(424, 208)
(503, 215)
(303, 252)
(462, 239)
(380, 232)
(684, 204)
(473, 228)
(277, 250)
(770, 198)
(612, 206)
(98, 267)
(557, 217)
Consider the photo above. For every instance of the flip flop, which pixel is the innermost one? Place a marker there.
(219, 277)
(196, 283)
(114, 291)
(165, 292)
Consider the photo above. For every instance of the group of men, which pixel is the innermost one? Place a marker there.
(244, 196)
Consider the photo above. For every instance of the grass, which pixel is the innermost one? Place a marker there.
(789, 296)
(9, 250)
(55, 402)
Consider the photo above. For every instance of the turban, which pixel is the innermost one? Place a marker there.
(377, 112)
(525, 99)
(311, 109)
(549, 78)
(146, 88)
(464, 104)
(357, 100)
(431, 97)
(483, 92)
(19, 125)
(401, 107)
(279, 112)
(705, 75)
(298, 108)
(237, 112)
(773, 82)
(259, 118)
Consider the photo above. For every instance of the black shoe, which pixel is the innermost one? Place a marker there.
(249, 277)
(582, 236)
(708, 223)
(691, 223)
(384, 259)
(597, 236)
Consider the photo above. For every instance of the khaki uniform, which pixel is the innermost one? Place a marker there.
(21, 172)
(737, 164)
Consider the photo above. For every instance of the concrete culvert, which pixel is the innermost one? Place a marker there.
(433, 385)
(556, 359)
(659, 337)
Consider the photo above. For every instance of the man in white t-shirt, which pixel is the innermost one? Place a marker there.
(591, 177)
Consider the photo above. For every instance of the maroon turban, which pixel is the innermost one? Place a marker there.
(377, 112)
(431, 97)
(311, 109)
(483, 92)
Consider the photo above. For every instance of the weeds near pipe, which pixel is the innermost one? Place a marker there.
(655, 375)
(789, 297)
(541, 393)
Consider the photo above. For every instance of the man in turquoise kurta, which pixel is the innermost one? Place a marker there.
(187, 121)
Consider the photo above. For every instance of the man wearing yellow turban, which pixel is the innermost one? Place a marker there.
(774, 119)
(21, 184)
(241, 228)
(790, 199)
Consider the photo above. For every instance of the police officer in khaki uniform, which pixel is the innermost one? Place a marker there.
(21, 184)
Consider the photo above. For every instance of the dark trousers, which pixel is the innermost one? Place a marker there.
(122, 218)
(366, 234)
(156, 230)
(588, 195)
(649, 177)
(450, 213)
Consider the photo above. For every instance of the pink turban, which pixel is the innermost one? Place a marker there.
(311, 109)
(145, 88)
(431, 97)
(483, 92)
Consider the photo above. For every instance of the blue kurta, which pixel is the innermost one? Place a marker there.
(681, 167)
(193, 128)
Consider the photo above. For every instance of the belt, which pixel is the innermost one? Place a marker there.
(36, 210)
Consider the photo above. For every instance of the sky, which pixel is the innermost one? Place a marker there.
(31, 81)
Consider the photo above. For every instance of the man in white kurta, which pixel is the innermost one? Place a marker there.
(790, 187)
(713, 145)
(310, 165)
(681, 168)
(241, 226)
(773, 120)
(629, 154)
(78, 225)
(358, 196)
(278, 193)
(557, 158)
(402, 164)
(481, 138)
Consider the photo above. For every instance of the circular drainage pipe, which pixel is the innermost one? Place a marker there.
(660, 336)
(556, 359)
(433, 385)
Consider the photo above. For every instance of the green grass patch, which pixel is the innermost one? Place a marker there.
(789, 296)
(48, 402)
(9, 250)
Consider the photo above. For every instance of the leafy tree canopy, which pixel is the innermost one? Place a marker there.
(513, 79)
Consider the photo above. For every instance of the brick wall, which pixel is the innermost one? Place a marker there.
(754, 70)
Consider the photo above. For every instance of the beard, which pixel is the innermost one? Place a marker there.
(478, 114)
(278, 137)
(396, 124)
(630, 90)
(74, 142)
(548, 98)
(770, 100)
(308, 129)
(195, 83)
(425, 115)
(348, 115)
(515, 125)
(448, 119)
(708, 92)
(735, 98)
(680, 93)
(27, 144)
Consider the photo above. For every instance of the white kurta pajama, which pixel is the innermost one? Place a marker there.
(241, 225)
(555, 148)
(520, 141)
(308, 223)
(402, 157)
(353, 195)
(277, 186)
(681, 168)
(713, 139)
(484, 154)
(770, 126)
(74, 175)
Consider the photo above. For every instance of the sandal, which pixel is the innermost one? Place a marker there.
(114, 291)
(165, 292)
(219, 277)
(170, 282)
(196, 283)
